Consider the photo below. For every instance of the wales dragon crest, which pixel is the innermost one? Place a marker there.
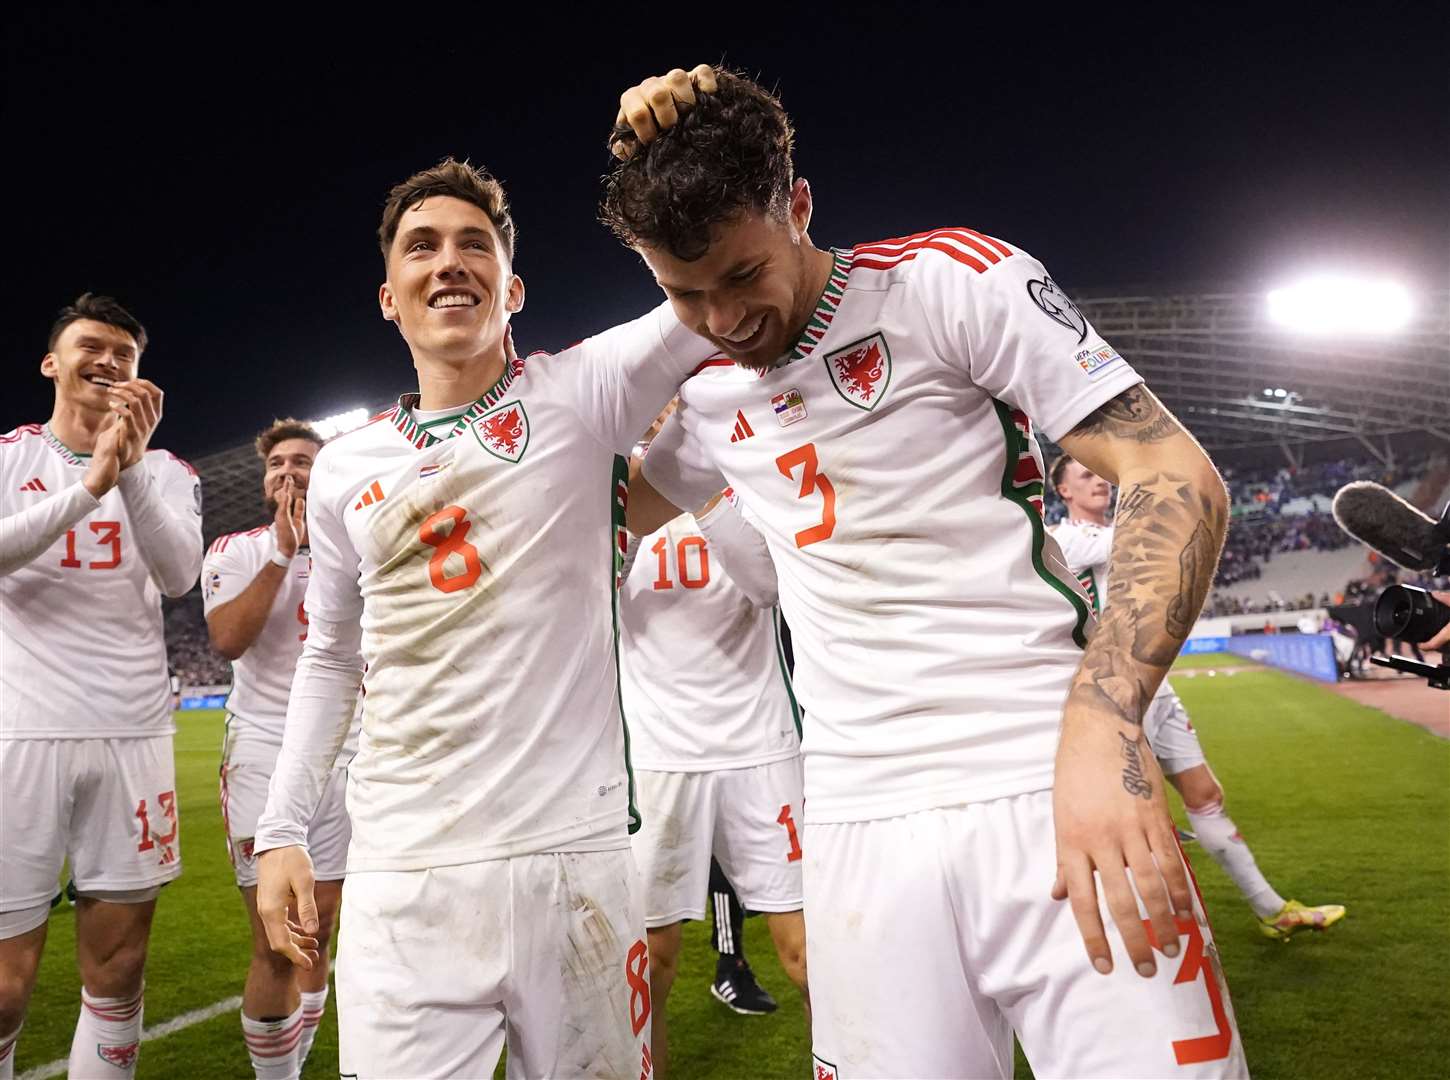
(861, 371)
(504, 431)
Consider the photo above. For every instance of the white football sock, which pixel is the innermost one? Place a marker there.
(108, 1037)
(7, 1053)
(273, 1044)
(314, 1004)
(1220, 838)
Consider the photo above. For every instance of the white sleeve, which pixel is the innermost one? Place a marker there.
(166, 520)
(1084, 549)
(1014, 333)
(28, 534)
(319, 712)
(623, 377)
(741, 552)
(325, 687)
(227, 570)
(676, 464)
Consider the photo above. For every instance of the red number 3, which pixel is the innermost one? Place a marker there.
(1213, 1047)
(811, 481)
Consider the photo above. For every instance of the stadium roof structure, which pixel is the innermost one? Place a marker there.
(1248, 389)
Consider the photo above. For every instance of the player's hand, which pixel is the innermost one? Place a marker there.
(105, 467)
(1111, 817)
(1441, 640)
(138, 403)
(291, 519)
(654, 105)
(284, 885)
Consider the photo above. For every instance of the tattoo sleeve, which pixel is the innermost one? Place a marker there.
(1166, 539)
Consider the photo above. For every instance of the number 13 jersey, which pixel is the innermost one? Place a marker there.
(891, 464)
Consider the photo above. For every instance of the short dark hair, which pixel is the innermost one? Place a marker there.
(281, 431)
(729, 155)
(101, 309)
(459, 179)
(1059, 466)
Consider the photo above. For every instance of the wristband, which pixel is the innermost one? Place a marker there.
(278, 559)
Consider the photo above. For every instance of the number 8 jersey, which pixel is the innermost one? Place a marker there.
(891, 466)
(481, 565)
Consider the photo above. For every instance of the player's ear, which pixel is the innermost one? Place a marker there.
(514, 302)
(49, 365)
(386, 303)
(800, 207)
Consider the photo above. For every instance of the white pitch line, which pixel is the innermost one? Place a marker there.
(170, 1027)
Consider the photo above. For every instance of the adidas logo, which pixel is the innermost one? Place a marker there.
(374, 494)
(34, 485)
(743, 430)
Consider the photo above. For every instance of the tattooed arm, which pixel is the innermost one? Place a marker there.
(1109, 803)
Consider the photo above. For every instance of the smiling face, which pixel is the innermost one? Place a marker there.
(1086, 494)
(88, 357)
(450, 288)
(752, 291)
(288, 459)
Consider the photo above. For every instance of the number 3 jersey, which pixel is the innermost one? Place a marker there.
(890, 463)
(482, 567)
(82, 648)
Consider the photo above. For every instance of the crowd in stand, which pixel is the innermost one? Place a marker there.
(188, 650)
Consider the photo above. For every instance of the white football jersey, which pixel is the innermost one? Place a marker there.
(890, 463)
(482, 567)
(702, 673)
(82, 649)
(1087, 548)
(262, 676)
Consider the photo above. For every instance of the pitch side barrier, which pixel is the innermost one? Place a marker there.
(204, 697)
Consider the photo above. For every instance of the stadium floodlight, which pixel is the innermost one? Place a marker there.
(337, 423)
(1341, 305)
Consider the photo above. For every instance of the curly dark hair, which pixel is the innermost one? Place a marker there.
(461, 180)
(729, 155)
(101, 309)
(282, 429)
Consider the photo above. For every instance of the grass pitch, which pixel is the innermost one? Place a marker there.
(1339, 802)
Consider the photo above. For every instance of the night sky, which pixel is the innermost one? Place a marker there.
(224, 178)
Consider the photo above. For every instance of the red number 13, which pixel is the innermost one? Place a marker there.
(811, 481)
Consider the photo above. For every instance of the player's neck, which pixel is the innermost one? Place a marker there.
(443, 384)
(1099, 517)
(818, 272)
(77, 427)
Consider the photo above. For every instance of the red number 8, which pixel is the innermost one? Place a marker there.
(448, 543)
(636, 972)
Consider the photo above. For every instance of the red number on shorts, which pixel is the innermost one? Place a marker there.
(789, 823)
(661, 548)
(811, 481)
(107, 532)
(167, 801)
(302, 618)
(636, 973)
(146, 843)
(1213, 1047)
(450, 543)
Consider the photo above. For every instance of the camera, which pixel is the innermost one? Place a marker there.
(1407, 613)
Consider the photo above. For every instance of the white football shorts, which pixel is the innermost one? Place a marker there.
(748, 818)
(107, 805)
(437, 969)
(246, 770)
(1170, 733)
(933, 936)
